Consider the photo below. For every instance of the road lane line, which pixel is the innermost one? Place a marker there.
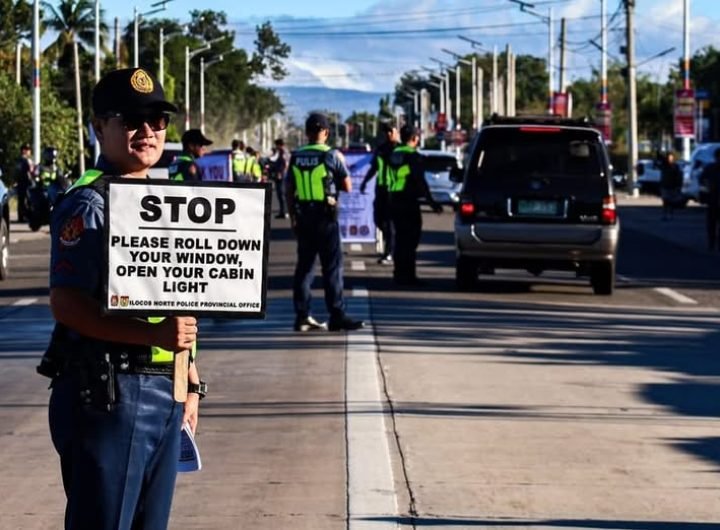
(673, 294)
(25, 301)
(360, 292)
(372, 503)
(355, 247)
(357, 265)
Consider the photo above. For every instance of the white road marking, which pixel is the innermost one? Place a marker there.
(372, 503)
(25, 301)
(357, 265)
(678, 297)
(360, 292)
(355, 247)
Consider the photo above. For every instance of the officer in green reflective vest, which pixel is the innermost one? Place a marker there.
(238, 160)
(316, 175)
(184, 167)
(407, 184)
(113, 418)
(381, 206)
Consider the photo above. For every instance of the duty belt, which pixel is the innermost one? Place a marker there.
(138, 362)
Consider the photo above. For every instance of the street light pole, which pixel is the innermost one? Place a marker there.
(686, 67)
(96, 144)
(36, 81)
(203, 66)
(136, 57)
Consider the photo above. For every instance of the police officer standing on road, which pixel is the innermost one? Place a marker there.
(711, 178)
(381, 210)
(113, 418)
(407, 185)
(184, 167)
(316, 175)
(23, 180)
(238, 160)
(277, 174)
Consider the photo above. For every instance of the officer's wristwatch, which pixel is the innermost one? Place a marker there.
(199, 389)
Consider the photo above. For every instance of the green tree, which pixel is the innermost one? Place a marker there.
(57, 124)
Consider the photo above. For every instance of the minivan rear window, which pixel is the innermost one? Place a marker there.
(512, 152)
(438, 164)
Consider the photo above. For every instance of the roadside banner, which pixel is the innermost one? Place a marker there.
(177, 248)
(355, 214)
(684, 113)
(216, 167)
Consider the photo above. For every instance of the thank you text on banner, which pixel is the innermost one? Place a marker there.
(175, 248)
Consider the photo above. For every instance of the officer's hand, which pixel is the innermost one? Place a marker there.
(437, 207)
(176, 333)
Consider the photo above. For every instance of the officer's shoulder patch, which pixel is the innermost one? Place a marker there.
(71, 231)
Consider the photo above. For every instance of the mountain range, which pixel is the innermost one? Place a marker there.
(300, 100)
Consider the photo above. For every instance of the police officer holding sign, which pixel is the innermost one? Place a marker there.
(316, 175)
(184, 168)
(113, 419)
(407, 185)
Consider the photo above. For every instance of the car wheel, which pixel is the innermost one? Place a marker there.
(4, 249)
(465, 273)
(602, 278)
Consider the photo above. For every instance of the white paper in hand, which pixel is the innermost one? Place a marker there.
(189, 454)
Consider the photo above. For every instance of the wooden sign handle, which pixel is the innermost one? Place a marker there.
(180, 376)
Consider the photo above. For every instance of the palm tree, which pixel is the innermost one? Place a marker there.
(74, 20)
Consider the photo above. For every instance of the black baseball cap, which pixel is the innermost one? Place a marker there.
(195, 136)
(129, 90)
(316, 121)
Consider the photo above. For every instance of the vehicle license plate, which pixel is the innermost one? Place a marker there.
(537, 207)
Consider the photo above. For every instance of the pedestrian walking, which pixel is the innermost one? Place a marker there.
(671, 180)
(184, 167)
(710, 177)
(407, 185)
(278, 170)
(316, 176)
(113, 419)
(381, 204)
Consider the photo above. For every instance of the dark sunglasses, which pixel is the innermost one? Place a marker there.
(133, 122)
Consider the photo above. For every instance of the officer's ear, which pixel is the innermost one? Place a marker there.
(98, 127)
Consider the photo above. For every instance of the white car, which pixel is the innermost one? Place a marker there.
(438, 165)
(649, 174)
(701, 157)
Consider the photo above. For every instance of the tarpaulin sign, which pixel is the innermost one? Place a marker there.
(355, 214)
(177, 248)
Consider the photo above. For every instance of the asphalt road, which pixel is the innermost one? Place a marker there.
(527, 403)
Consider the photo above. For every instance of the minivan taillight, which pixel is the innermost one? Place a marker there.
(467, 211)
(609, 211)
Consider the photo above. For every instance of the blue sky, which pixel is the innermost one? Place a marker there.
(372, 56)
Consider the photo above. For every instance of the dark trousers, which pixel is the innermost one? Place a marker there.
(119, 467)
(383, 220)
(713, 229)
(280, 192)
(318, 235)
(407, 221)
(22, 211)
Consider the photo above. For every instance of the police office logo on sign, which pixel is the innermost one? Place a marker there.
(199, 248)
(142, 82)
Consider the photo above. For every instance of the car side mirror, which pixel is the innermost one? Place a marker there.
(640, 170)
(456, 174)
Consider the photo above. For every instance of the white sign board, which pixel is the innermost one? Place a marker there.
(177, 248)
(355, 214)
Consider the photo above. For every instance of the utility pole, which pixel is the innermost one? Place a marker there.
(562, 55)
(686, 67)
(78, 106)
(96, 144)
(36, 81)
(508, 81)
(494, 101)
(603, 60)
(136, 21)
(18, 60)
(632, 97)
(551, 62)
